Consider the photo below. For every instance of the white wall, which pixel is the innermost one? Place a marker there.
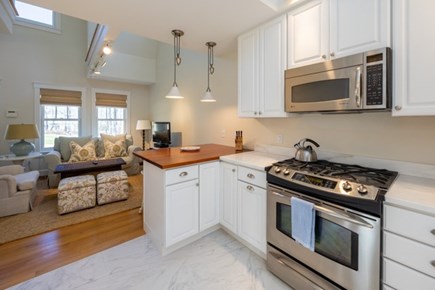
(30, 55)
(369, 134)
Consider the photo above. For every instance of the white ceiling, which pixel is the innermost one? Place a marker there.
(201, 20)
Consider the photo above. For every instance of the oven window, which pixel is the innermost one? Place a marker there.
(321, 91)
(332, 240)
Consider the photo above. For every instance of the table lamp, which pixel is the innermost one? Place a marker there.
(143, 125)
(21, 132)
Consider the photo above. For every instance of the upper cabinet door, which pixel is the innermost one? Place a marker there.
(359, 25)
(248, 63)
(308, 33)
(413, 57)
(273, 52)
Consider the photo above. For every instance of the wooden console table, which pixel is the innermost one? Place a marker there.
(96, 166)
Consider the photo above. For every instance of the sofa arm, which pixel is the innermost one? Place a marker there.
(8, 186)
(52, 159)
(133, 148)
(11, 169)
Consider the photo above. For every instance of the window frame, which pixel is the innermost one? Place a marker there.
(95, 119)
(38, 112)
(55, 28)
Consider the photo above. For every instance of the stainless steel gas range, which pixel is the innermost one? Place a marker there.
(348, 220)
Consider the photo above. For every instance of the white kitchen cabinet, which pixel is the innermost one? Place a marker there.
(252, 215)
(261, 64)
(413, 58)
(409, 250)
(180, 204)
(181, 211)
(228, 196)
(325, 29)
(209, 195)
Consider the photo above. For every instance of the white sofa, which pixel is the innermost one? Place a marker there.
(61, 153)
(17, 189)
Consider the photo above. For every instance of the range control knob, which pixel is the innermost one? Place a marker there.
(362, 189)
(347, 186)
(277, 169)
(286, 172)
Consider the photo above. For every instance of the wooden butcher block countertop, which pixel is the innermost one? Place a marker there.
(173, 157)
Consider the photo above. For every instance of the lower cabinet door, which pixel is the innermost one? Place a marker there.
(228, 196)
(252, 215)
(182, 219)
(208, 195)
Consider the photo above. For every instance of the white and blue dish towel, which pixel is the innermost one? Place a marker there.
(303, 222)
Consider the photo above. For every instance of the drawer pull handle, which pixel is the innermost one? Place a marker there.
(182, 174)
(250, 188)
(432, 263)
(250, 175)
(432, 232)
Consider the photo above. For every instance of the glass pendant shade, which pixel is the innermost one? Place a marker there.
(174, 92)
(208, 97)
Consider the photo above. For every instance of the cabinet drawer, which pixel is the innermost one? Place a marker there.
(410, 253)
(411, 224)
(401, 277)
(252, 176)
(181, 174)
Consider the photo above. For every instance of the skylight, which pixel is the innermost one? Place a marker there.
(34, 13)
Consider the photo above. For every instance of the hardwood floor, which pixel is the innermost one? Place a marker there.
(30, 257)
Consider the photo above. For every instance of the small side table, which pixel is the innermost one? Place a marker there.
(20, 159)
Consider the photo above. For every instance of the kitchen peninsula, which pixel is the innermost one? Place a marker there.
(181, 194)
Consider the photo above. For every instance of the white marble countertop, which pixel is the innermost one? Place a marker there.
(413, 192)
(254, 159)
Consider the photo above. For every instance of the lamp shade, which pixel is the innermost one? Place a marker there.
(174, 93)
(21, 131)
(143, 125)
(208, 97)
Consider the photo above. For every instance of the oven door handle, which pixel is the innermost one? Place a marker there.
(341, 215)
(345, 216)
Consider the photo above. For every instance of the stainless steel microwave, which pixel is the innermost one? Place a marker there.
(356, 83)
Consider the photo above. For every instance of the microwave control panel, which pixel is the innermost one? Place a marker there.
(375, 91)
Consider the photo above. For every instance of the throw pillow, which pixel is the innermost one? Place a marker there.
(114, 149)
(113, 139)
(82, 153)
(64, 142)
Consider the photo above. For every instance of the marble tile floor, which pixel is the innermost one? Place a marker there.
(216, 261)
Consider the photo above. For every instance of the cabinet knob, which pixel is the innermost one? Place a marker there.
(255, 113)
(332, 54)
(197, 184)
(398, 108)
(182, 174)
(432, 263)
(259, 113)
(432, 232)
(233, 170)
(250, 188)
(250, 175)
(324, 56)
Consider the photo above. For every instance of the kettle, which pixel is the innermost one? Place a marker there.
(306, 153)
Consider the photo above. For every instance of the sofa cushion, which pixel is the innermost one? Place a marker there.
(82, 153)
(114, 149)
(65, 150)
(26, 181)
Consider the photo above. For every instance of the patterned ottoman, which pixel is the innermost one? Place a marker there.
(76, 193)
(112, 186)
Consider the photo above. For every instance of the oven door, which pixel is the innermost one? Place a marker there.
(347, 243)
(333, 90)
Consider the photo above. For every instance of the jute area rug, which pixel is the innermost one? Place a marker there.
(44, 216)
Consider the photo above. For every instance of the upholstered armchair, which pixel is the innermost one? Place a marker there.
(17, 189)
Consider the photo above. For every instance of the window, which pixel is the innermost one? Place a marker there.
(111, 113)
(37, 17)
(60, 115)
(111, 120)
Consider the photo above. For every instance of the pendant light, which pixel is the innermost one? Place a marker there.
(208, 97)
(174, 93)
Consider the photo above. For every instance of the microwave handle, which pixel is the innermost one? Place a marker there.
(358, 87)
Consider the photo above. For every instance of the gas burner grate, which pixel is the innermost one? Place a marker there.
(380, 178)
